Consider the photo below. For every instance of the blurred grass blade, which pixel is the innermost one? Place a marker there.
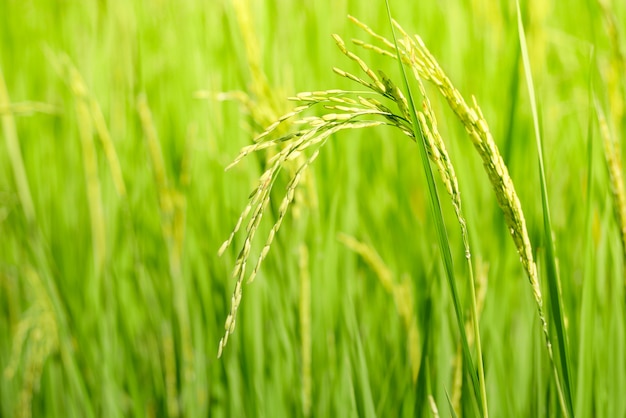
(442, 234)
(361, 371)
(305, 329)
(556, 304)
(432, 403)
(452, 412)
(585, 341)
(15, 154)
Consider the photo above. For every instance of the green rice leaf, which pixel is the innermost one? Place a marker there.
(556, 304)
(442, 234)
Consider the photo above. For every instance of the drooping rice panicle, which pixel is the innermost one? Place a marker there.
(342, 109)
(355, 112)
(316, 136)
(426, 67)
(282, 211)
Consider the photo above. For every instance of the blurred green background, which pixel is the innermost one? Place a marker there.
(114, 203)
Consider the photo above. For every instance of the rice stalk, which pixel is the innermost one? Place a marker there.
(305, 330)
(481, 292)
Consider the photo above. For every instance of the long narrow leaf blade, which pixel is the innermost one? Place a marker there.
(556, 303)
(442, 234)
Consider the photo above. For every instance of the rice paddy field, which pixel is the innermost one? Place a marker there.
(412, 226)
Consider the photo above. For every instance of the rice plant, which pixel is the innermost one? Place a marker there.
(365, 109)
(433, 226)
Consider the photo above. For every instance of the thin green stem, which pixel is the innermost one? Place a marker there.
(563, 381)
(442, 235)
(476, 329)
